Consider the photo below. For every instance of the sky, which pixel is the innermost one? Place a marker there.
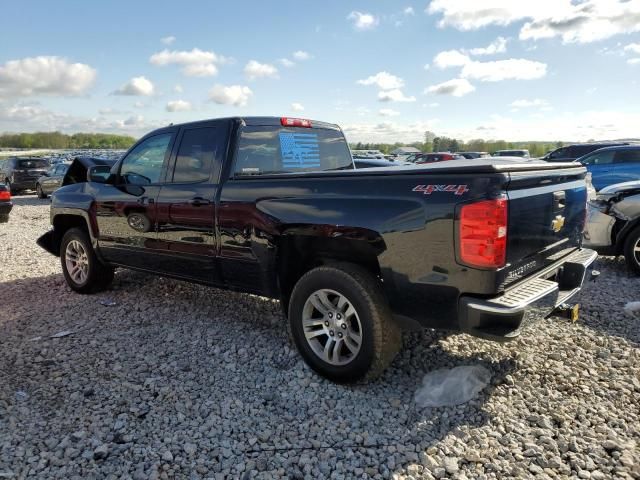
(385, 71)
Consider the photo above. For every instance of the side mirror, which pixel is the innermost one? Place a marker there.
(99, 173)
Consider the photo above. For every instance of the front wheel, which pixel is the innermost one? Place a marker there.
(632, 250)
(341, 323)
(39, 191)
(82, 269)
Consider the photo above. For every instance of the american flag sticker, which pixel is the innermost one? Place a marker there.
(299, 150)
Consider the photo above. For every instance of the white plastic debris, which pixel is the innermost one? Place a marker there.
(107, 302)
(21, 395)
(63, 333)
(633, 309)
(452, 386)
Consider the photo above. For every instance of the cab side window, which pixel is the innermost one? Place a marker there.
(628, 156)
(143, 165)
(599, 158)
(196, 155)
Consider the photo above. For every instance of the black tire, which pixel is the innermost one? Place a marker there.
(631, 256)
(9, 187)
(4, 218)
(98, 276)
(39, 191)
(381, 339)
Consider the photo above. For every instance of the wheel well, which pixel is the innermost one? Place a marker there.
(621, 231)
(63, 223)
(299, 254)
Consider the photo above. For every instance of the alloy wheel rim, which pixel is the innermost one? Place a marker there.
(77, 261)
(332, 327)
(636, 251)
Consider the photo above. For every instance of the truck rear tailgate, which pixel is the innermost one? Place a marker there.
(546, 218)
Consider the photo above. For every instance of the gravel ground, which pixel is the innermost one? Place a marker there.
(182, 381)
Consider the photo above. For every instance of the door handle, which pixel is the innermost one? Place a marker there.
(199, 201)
(145, 201)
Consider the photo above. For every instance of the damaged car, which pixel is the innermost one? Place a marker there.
(613, 222)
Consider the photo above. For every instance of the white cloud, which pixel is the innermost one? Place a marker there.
(383, 80)
(525, 103)
(139, 104)
(178, 88)
(499, 45)
(137, 86)
(387, 112)
(363, 21)
(458, 87)
(574, 22)
(388, 132)
(450, 58)
(498, 70)
(285, 62)
(394, 95)
(194, 63)
(254, 69)
(297, 107)
(633, 61)
(633, 48)
(409, 11)
(236, 95)
(168, 40)
(45, 76)
(301, 55)
(178, 106)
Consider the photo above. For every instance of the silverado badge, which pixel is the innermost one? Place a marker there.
(557, 223)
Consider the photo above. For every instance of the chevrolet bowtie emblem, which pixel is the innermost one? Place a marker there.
(557, 223)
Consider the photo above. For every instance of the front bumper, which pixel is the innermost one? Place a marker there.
(502, 318)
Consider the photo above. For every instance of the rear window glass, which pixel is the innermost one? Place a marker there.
(33, 164)
(268, 149)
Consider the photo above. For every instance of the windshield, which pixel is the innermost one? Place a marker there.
(33, 164)
(267, 149)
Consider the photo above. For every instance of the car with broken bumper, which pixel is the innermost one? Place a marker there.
(275, 207)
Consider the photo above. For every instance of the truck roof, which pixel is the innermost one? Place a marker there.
(251, 121)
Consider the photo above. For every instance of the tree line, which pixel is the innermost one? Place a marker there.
(61, 140)
(435, 143)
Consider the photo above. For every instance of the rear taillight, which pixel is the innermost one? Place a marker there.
(483, 233)
(5, 195)
(295, 122)
(447, 157)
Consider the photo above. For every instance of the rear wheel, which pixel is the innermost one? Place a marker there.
(9, 187)
(82, 269)
(632, 250)
(39, 191)
(341, 323)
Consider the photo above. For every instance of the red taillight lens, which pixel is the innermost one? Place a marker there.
(5, 195)
(483, 233)
(447, 157)
(295, 122)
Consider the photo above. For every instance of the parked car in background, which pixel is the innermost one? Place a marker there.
(274, 207)
(5, 203)
(572, 152)
(512, 153)
(51, 180)
(474, 154)
(612, 165)
(613, 223)
(22, 173)
(435, 157)
(367, 154)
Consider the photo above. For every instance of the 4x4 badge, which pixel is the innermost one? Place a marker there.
(557, 223)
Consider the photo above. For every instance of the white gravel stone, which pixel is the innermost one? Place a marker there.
(174, 380)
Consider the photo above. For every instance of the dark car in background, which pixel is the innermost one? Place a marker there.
(51, 180)
(523, 153)
(22, 173)
(435, 157)
(572, 152)
(5, 203)
(374, 163)
(612, 165)
(470, 155)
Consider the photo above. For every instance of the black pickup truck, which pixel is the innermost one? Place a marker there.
(274, 207)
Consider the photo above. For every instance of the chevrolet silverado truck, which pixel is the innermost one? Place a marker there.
(274, 207)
